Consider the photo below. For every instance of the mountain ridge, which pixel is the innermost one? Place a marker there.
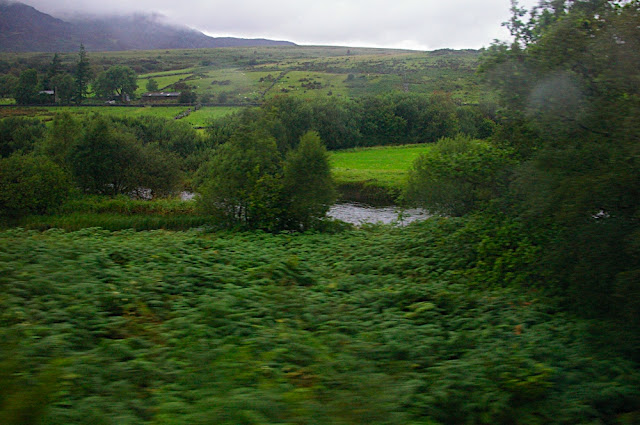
(23, 28)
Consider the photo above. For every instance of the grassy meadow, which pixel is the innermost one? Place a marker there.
(246, 76)
(387, 166)
(199, 118)
(375, 175)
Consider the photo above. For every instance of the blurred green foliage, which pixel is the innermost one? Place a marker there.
(31, 184)
(377, 325)
(457, 175)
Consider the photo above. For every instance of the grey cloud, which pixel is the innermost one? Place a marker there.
(425, 24)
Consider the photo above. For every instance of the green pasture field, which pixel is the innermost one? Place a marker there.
(317, 84)
(203, 116)
(382, 166)
(163, 82)
(156, 75)
(339, 71)
(238, 84)
(199, 118)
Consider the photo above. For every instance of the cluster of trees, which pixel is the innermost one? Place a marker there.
(66, 86)
(564, 162)
(250, 183)
(398, 118)
(269, 168)
(246, 181)
(253, 166)
(40, 167)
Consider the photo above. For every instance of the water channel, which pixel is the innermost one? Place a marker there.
(358, 214)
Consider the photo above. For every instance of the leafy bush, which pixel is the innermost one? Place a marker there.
(31, 185)
(247, 183)
(235, 180)
(108, 159)
(307, 182)
(19, 135)
(457, 175)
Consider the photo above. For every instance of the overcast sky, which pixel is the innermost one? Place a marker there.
(411, 24)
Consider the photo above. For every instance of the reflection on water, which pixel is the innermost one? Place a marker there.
(187, 196)
(355, 213)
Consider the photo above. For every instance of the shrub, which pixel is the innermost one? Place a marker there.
(31, 185)
(248, 184)
(236, 178)
(457, 175)
(307, 181)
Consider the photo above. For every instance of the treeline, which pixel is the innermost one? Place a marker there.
(155, 157)
(41, 167)
(54, 84)
(246, 181)
(394, 119)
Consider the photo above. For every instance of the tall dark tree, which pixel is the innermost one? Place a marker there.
(152, 85)
(26, 91)
(83, 75)
(308, 185)
(8, 85)
(105, 159)
(63, 85)
(54, 69)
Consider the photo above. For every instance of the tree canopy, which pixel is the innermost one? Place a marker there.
(117, 82)
(248, 183)
(570, 87)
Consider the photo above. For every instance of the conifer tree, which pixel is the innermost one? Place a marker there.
(82, 75)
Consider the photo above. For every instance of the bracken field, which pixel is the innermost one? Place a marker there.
(377, 325)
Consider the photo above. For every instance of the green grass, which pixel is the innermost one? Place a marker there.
(156, 75)
(326, 84)
(203, 116)
(199, 118)
(120, 111)
(114, 222)
(118, 214)
(163, 82)
(382, 166)
(239, 85)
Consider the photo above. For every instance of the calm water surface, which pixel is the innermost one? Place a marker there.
(357, 214)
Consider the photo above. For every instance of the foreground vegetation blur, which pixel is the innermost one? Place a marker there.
(517, 303)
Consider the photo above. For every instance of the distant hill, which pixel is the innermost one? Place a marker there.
(25, 29)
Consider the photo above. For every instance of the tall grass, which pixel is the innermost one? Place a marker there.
(127, 206)
(119, 213)
(114, 222)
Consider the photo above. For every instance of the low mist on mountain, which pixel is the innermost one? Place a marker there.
(25, 29)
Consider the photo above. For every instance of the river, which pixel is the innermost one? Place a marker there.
(359, 214)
